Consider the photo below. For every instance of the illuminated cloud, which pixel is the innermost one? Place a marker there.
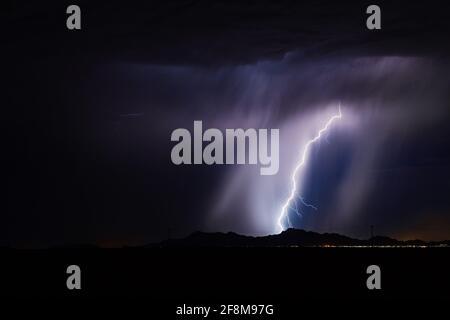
(387, 101)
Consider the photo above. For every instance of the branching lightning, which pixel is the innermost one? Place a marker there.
(291, 202)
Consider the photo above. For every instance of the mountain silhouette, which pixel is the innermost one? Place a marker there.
(287, 238)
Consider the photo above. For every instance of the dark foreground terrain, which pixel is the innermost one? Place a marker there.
(273, 274)
(155, 281)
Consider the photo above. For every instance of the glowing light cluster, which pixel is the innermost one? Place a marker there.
(301, 163)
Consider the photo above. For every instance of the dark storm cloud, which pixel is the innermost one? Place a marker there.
(91, 115)
(215, 33)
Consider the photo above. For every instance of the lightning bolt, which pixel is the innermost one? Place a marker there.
(292, 196)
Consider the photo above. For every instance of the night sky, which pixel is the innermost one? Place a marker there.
(87, 117)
